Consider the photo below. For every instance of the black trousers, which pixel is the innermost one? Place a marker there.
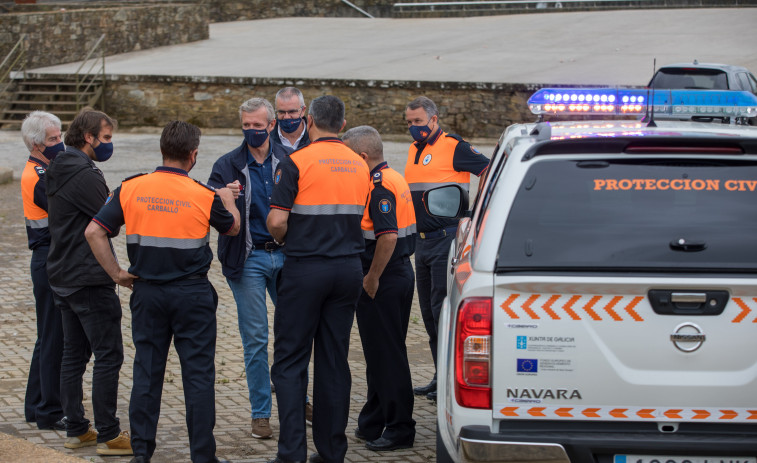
(383, 322)
(42, 402)
(431, 278)
(184, 311)
(91, 325)
(315, 311)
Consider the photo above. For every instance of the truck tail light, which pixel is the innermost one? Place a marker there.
(473, 353)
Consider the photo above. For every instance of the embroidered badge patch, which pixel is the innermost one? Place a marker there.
(385, 206)
(277, 177)
(427, 159)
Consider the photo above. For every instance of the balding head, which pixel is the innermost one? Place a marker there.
(365, 140)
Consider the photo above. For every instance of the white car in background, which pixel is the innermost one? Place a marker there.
(602, 296)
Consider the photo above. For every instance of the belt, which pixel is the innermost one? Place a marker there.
(438, 233)
(268, 246)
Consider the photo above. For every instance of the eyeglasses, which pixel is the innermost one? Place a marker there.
(290, 113)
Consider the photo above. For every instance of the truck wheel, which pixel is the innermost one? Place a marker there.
(442, 455)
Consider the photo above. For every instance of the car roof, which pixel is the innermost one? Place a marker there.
(605, 128)
(607, 136)
(724, 67)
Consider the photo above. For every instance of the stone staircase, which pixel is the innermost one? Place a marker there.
(62, 97)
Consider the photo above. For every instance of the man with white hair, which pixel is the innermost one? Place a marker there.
(41, 134)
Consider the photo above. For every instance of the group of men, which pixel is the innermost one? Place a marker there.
(321, 223)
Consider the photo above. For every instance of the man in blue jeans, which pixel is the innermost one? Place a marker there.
(251, 261)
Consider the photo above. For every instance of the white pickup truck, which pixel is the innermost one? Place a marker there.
(602, 295)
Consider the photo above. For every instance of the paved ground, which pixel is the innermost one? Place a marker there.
(140, 153)
(609, 47)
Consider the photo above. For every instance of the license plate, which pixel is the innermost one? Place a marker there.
(680, 459)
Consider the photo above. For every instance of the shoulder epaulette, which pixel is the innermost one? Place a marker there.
(133, 177)
(377, 178)
(455, 136)
(205, 185)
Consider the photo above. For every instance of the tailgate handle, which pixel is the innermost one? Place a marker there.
(699, 298)
(681, 302)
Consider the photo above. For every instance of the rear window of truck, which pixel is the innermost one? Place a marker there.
(642, 215)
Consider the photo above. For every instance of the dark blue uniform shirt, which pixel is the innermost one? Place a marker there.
(260, 187)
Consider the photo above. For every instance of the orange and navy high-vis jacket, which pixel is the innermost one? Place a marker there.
(167, 217)
(443, 159)
(324, 186)
(390, 210)
(35, 203)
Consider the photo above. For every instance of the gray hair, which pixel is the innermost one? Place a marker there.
(290, 92)
(34, 128)
(328, 113)
(253, 104)
(426, 103)
(365, 139)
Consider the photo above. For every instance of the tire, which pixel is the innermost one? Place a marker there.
(442, 455)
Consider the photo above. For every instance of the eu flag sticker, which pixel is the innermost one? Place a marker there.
(528, 365)
(522, 342)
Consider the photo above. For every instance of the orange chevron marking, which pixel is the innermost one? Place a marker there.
(700, 414)
(673, 414)
(646, 413)
(728, 414)
(527, 306)
(588, 308)
(608, 308)
(466, 250)
(744, 310)
(564, 412)
(619, 413)
(752, 415)
(509, 411)
(629, 309)
(591, 413)
(548, 307)
(537, 411)
(568, 307)
(506, 306)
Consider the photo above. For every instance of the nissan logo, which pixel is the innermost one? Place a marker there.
(687, 337)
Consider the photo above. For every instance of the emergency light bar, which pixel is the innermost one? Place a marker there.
(634, 102)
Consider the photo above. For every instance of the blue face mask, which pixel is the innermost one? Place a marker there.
(51, 151)
(289, 125)
(420, 132)
(103, 152)
(255, 138)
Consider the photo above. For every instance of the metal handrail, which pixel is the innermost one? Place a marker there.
(87, 78)
(9, 64)
(352, 5)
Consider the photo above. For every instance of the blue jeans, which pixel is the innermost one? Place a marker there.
(261, 270)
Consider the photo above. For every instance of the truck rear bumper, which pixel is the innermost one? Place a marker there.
(479, 445)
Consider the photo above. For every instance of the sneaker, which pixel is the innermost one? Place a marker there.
(261, 428)
(119, 445)
(308, 414)
(87, 439)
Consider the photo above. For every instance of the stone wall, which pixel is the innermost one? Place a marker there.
(241, 10)
(237, 10)
(469, 109)
(66, 33)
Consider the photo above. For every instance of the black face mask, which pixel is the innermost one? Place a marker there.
(51, 151)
